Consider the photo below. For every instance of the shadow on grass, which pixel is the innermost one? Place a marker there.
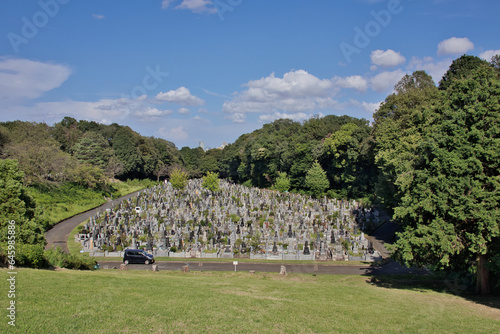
(391, 275)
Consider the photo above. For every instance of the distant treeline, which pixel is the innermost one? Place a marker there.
(84, 152)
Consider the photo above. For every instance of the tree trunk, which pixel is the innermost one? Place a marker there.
(483, 276)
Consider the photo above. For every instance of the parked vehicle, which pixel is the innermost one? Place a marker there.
(137, 256)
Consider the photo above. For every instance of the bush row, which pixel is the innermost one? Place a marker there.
(34, 256)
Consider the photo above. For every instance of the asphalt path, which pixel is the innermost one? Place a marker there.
(389, 268)
(246, 267)
(59, 233)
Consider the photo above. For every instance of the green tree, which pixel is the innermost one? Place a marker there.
(18, 207)
(460, 69)
(178, 178)
(125, 146)
(113, 168)
(38, 154)
(316, 180)
(450, 193)
(67, 133)
(282, 183)
(192, 158)
(161, 170)
(89, 176)
(495, 62)
(211, 182)
(92, 148)
(399, 128)
(419, 80)
(209, 162)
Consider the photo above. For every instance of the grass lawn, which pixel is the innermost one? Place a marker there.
(61, 202)
(114, 301)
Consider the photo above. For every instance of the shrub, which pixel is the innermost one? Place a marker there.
(57, 258)
(31, 256)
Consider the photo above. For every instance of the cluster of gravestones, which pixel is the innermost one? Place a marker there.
(236, 220)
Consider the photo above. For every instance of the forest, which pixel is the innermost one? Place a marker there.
(431, 157)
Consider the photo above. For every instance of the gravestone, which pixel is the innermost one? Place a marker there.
(306, 249)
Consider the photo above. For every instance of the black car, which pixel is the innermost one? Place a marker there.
(137, 256)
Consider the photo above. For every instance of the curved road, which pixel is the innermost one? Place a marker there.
(59, 233)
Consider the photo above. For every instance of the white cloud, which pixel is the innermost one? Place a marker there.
(356, 81)
(389, 58)
(183, 111)
(384, 81)
(166, 3)
(180, 96)
(198, 118)
(98, 16)
(104, 111)
(151, 114)
(295, 117)
(297, 91)
(294, 83)
(55, 111)
(454, 45)
(22, 79)
(174, 134)
(366, 106)
(435, 69)
(236, 117)
(196, 6)
(487, 55)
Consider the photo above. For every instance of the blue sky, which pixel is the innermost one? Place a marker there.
(210, 70)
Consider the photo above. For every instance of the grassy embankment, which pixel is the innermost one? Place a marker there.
(60, 202)
(134, 301)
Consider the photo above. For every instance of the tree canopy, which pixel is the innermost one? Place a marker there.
(211, 182)
(439, 153)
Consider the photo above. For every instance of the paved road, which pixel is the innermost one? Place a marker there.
(58, 234)
(387, 269)
(384, 234)
(243, 266)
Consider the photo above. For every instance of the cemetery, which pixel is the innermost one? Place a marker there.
(236, 222)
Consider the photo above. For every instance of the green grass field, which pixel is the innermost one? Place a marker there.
(64, 201)
(114, 301)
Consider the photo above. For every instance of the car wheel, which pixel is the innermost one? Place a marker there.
(126, 262)
(146, 262)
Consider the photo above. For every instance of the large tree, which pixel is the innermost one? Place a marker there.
(450, 191)
(92, 148)
(461, 68)
(211, 182)
(125, 144)
(179, 178)
(399, 128)
(18, 207)
(282, 183)
(316, 180)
